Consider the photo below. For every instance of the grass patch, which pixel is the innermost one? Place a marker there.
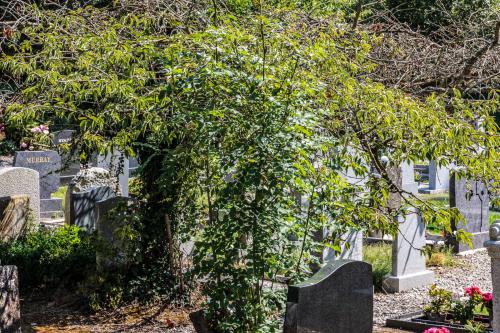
(442, 257)
(380, 257)
(61, 194)
(494, 216)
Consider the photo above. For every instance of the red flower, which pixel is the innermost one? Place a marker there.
(487, 297)
(437, 330)
(472, 290)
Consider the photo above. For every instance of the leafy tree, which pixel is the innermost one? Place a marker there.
(233, 119)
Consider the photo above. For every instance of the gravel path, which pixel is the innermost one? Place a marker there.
(471, 269)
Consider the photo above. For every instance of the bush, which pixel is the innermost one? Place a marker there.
(380, 257)
(46, 258)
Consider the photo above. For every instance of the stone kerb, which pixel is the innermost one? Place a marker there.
(22, 181)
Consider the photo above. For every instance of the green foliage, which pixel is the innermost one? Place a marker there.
(244, 128)
(7, 147)
(47, 258)
(440, 301)
(475, 327)
(439, 256)
(380, 257)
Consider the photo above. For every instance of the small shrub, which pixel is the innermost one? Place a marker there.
(439, 257)
(46, 258)
(7, 147)
(380, 257)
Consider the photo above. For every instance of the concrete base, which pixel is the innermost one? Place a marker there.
(395, 284)
(478, 239)
(426, 190)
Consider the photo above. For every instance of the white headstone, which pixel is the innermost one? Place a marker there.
(118, 165)
(439, 179)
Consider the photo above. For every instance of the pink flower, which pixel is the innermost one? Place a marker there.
(487, 297)
(24, 145)
(472, 290)
(40, 129)
(437, 330)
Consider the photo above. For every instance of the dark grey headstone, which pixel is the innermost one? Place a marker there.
(472, 200)
(10, 310)
(48, 165)
(82, 207)
(70, 161)
(337, 299)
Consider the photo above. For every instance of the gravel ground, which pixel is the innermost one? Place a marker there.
(471, 269)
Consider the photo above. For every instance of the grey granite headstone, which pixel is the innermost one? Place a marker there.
(408, 178)
(493, 246)
(22, 181)
(10, 309)
(472, 200)
(107, 228)
(70, 162)
(48, 165)
(14, 216)
(408, 261)
(82, 206)
(337, 299)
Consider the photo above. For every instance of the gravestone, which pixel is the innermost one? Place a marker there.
(353, 251)
(408, 177)
(337, 299)
(133, 166)
(118, 166)
(70, 162)
(439, 179)
(472, 200)
(22, 181)
(10, 309)
(48, 165)
(82, 206)
(14, 216)
(107, 229)
(408, 261)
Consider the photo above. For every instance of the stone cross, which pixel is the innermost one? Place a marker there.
(493, 246)
(10, 314)
(22, 181)
(48, 165)
(472, 200)
(337, 299)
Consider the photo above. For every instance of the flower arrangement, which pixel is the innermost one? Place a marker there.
(39, 138)
(437, 330)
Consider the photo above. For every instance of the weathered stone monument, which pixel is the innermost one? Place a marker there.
(337, 299)
(70, 162)
(48, 165)
(82, 206)
(14, 216)
(10, 310)
(22, 181)
(408, 177)
(439, 179)
(493, 246)
(408, 261)
(472, 200)
(108, 230)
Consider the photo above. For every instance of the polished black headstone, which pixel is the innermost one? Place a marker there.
(82, 207)
(472, 200)
(337, 299)
(70, 160)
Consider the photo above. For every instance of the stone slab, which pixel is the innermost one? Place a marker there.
(337, 299)
(22, 181)
(396, 284)
(10, 309)
(118, 166)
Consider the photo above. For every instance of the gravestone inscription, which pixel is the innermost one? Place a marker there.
(472, 200)
(48, 165)
(337, 299)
